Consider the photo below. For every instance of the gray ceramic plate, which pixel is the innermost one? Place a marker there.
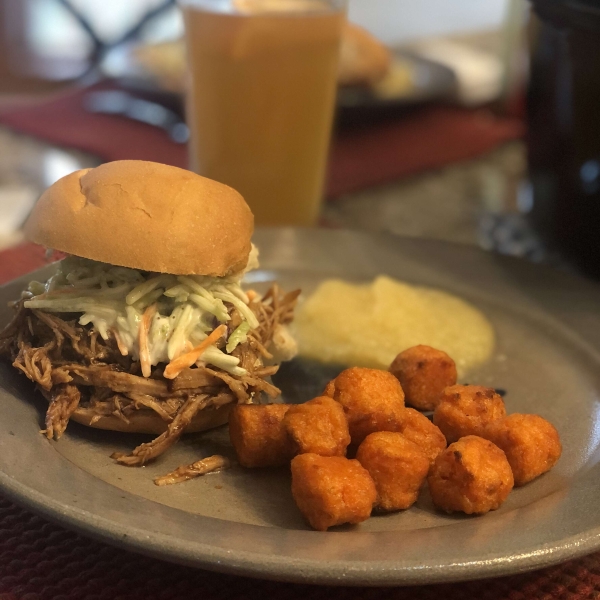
(245, 522)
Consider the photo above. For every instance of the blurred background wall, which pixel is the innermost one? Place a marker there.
(397, 21)
(43, 38)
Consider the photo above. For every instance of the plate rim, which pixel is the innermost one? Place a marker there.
(336, 573)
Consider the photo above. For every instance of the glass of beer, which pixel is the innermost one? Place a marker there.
(261, 95)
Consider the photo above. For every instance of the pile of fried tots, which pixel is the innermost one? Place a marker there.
(362, 413)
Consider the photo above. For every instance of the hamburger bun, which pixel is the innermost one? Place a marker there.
(147, 421)
(146, 216)
(364, 60)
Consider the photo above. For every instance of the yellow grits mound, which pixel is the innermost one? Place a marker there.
(368, 325)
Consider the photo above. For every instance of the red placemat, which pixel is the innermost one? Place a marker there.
(21, 259)
(422, 139)
(42, 561)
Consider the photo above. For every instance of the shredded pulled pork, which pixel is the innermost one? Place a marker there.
(77, 370)
(145, 452)
(64, 400)
(196, 469)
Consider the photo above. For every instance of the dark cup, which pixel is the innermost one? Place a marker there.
(564, 128)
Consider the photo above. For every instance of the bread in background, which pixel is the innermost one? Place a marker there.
(364, 60)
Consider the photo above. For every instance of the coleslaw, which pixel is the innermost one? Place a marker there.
(179, 311)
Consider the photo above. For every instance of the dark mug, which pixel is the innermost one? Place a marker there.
(563, 112)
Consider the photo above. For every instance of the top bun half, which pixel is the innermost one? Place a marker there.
(147, 216)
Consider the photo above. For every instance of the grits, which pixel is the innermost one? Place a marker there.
(369, 324)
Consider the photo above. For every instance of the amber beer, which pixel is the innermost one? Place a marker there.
(261, 99)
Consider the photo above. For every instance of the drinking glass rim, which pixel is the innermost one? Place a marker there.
(213, 6)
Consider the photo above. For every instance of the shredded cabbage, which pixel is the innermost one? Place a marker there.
(113, 299)
(238, 336)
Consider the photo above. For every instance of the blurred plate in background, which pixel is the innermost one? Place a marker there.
(158, 71)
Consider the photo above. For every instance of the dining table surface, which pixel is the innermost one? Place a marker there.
(479, 200)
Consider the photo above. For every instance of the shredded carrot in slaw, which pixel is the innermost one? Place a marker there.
(143, 340)
(187, 360)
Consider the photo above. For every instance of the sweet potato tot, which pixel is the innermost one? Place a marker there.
(332, 490)
(397, 466)
(531, 444)
(373, 400)
(471, 476)
(466, 410)
(416, 427)
(318, 426)
(258, 436)
(424, 373)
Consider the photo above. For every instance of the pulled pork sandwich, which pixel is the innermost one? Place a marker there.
(145, 326)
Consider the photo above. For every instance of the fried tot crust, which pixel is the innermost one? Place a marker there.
(332, 490)
(416, 427)
(318, 426)
(372, 399)
(397, 466)
(466, 410)
(424, 373)
(258, 436)
(471, 476)
(531, 444)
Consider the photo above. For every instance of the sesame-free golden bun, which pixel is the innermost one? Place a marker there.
(146, 216)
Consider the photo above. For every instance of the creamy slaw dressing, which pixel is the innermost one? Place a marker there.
(113, 299)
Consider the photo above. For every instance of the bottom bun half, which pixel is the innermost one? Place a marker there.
(147, 421)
